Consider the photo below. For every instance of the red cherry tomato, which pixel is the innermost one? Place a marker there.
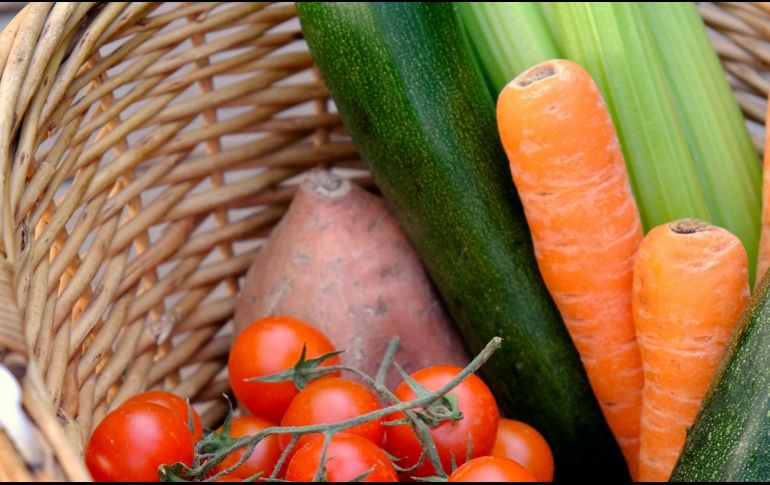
(491, 469)
(331, 400)
(522, 443)
(349, 456)
(479, 423)
(174, 403)
(265, 454)
(271, 345)
(130, 443)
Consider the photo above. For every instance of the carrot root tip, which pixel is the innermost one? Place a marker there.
(537, 73)
(690, 226)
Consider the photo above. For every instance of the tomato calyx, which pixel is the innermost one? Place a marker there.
(303, 372)
(177, 472)
(406, 470)
(216, 442)
(445, 408)
(214, 446)
(360, 478)
(190, 419)
(363, 476)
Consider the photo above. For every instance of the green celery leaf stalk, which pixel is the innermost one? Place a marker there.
(506, 38)
(724, 155)
(613, 43)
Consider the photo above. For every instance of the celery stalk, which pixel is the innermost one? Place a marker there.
(686, 146)
(714, 127)
(506, 38)
(609, 40)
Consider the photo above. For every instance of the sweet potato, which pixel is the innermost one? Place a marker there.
(340, 261)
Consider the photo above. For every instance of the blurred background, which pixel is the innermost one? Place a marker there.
(8, 10)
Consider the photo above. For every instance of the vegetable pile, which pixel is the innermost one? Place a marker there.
(686, 147)
(639, 132)
(424, 123)
(568, 186)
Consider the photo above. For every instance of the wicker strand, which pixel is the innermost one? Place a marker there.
(84, 49)
(8, 36)
(10, 87)
(35, 402)
(11, 331)
(213, 146)
(47, 44)
(28, 137)
(741, 34)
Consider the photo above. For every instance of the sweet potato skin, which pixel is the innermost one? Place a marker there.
(340, 261)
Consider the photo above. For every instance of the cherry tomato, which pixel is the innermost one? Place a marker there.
(522, 443)
(331, 400)
(174, 403)
(265, 454)
(349, 456)
(479, 422)
(491, 469)
(268, 346)
(130, 443)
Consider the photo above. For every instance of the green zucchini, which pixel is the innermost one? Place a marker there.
(730, 440)
(424, 122)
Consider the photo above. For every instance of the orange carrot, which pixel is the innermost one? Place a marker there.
(690, 285)
(763, 261)
(571, 177)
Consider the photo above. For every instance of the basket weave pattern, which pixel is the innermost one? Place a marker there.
(146, 150)
(740, 32)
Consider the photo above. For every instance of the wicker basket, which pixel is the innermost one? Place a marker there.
(145, 152)
(740, 32)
